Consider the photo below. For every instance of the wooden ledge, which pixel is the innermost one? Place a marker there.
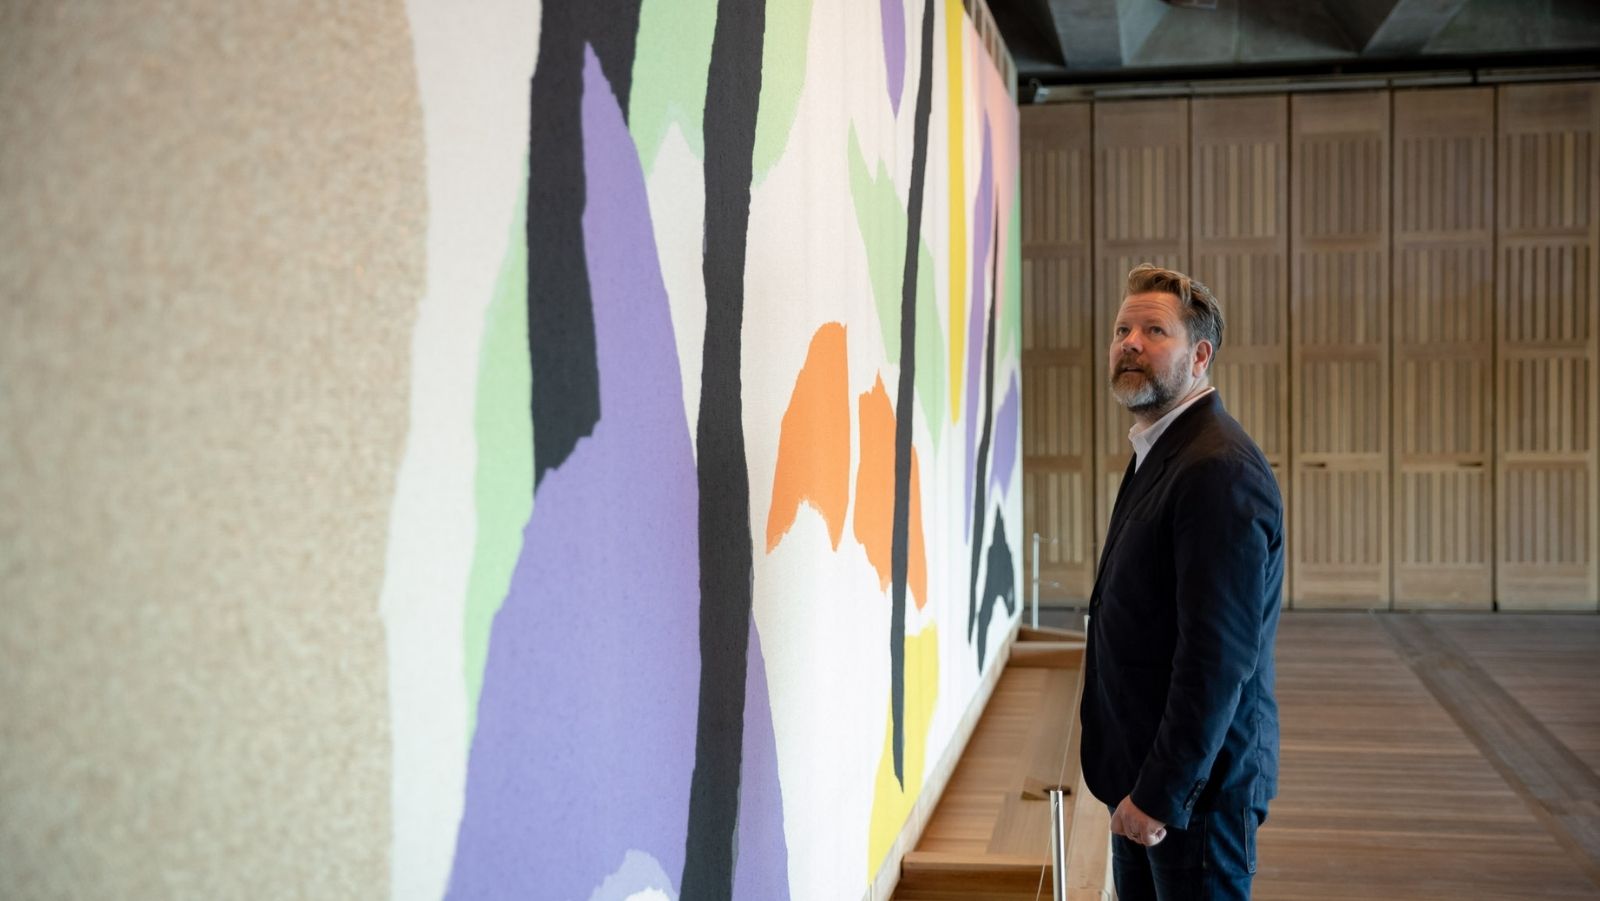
(1043, 633)
(940, 876)
(966, 862)
(1052, 654)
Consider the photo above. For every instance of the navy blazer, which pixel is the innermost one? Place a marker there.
(1178, 709)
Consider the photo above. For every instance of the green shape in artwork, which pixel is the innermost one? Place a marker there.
(881, 219)
(503, 486)
(672, 55)
(1011, 324)
(672, 58)
(783, 76)
(931, 349)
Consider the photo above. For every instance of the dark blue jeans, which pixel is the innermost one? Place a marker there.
(1212, 860)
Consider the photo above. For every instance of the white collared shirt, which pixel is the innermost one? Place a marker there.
(1145, 437)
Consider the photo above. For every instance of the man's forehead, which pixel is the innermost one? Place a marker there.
(1152, 303)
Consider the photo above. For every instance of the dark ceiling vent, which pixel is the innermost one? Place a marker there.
(1193, 4)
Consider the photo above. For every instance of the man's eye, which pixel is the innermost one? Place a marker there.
(1157, 330)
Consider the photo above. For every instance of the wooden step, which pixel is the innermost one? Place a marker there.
(989, 836)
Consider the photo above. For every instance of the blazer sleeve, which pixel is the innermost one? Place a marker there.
(1226, 510)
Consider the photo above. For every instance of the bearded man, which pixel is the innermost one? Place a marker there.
(1180, 726)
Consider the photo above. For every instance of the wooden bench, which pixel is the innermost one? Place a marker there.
(989, 836)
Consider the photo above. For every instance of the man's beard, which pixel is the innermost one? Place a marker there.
(1154, 391)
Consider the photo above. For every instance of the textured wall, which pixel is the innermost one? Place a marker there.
(211, 252)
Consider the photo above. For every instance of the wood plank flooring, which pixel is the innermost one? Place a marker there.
(1425, 756)
(1395, 775)
(1549, 664)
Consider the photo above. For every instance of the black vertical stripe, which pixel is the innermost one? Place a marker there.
(904, 399)
(980, 477)
(733, 92)
(613, 29)
(999, 582)
(565, 403)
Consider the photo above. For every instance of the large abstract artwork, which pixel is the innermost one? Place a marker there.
(706, 531)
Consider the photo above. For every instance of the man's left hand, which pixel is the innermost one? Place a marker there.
(1132, 823)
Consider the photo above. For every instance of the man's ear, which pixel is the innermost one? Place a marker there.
(1202, 359)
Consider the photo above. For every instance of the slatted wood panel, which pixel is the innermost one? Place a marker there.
(1548, 288)
(1141, 215)
(1339, 314)
(1382, 794)
(1443, 320)
(1400, 445)
(1239, 180)
(1059, 349)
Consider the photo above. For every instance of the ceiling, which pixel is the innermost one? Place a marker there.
(1066, 42)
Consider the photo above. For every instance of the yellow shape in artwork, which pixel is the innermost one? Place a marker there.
(891, 804)
(955, 20)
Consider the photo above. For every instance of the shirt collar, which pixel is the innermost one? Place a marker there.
(1145, 437)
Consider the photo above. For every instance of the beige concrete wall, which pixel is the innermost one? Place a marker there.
(211, 252)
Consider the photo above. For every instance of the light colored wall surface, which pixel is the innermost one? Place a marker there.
(210, 257)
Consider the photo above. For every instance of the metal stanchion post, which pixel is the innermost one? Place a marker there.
(1036, 580)
(1058, 842)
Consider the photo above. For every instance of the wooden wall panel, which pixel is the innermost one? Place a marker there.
(1141, 215)
(1443, 319)
(1412, 286)
(1060, 349)
(1239, 185)
(1339, 313)
(1548, 289)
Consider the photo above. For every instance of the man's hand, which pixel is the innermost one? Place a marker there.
(1132, 823)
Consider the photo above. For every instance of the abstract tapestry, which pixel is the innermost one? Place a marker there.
(729, 537)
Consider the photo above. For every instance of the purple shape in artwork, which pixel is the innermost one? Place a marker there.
(982, 230)
(762, 866)
(585, 743)
(894, 49)
(1004, 456)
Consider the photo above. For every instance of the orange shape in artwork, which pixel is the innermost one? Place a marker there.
(917, 563)
(875, 480)
(874, 519)
(814, 441)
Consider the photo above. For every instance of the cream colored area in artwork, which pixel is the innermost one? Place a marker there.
(475, 117)
(211, 256)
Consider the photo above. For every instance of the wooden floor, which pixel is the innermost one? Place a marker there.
(1436, 756)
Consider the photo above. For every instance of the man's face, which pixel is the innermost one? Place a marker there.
(1152, 364)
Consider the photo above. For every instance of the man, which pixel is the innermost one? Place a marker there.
(1180, 728)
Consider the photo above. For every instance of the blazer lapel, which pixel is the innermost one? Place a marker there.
(1129, 487)
(1137, 482)
(1119, 507)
